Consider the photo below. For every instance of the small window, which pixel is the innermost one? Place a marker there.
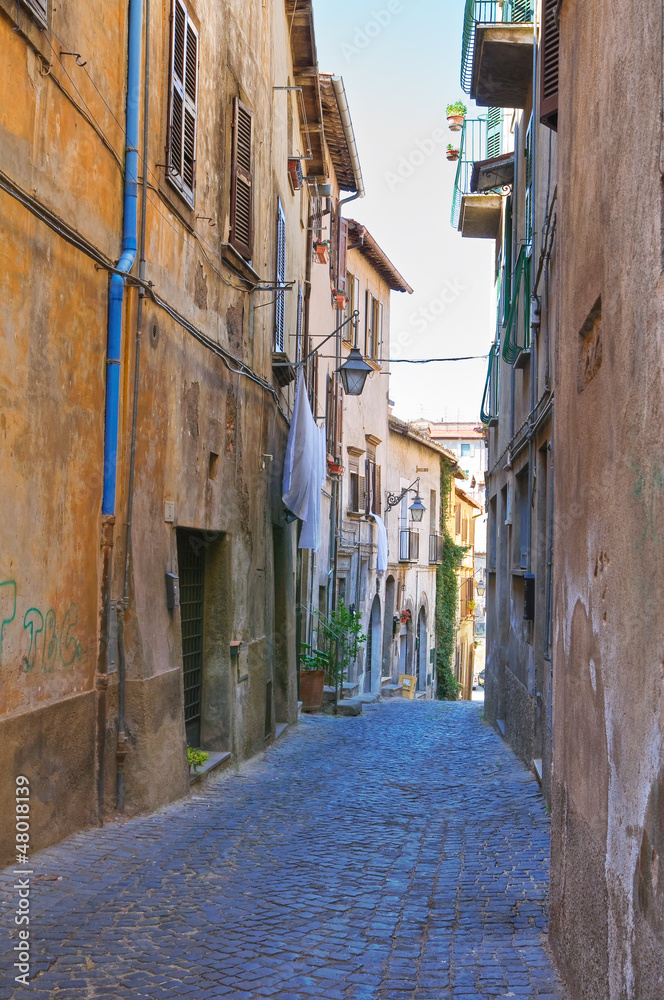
(280, 300)
(465, 449)
(183, 103)
(357, 492)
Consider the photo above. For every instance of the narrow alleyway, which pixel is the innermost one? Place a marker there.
(402, 855)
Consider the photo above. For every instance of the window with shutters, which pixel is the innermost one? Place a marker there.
(353, 293)
(280, 299)
(334, 418)
(39, 8)
(357, 491)
(242, 180)
(373, 327)
(457, 519)
(549, 56)
(340, 254)
(182, 120)
(373, 487)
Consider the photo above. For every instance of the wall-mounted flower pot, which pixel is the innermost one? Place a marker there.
(312, 683)
(322, 253)
(455, 122)
(340, 300)
(452, 154)
(335, 470)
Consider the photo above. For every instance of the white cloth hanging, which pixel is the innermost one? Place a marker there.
(381, 557)
(304, 468)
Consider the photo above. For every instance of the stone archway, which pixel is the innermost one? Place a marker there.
(372, 670)
(422, 651)
(388, 628)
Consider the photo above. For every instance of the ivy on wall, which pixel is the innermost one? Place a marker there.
(447, 588)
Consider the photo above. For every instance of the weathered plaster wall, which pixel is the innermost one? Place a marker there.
(607, 891)
(206, 440)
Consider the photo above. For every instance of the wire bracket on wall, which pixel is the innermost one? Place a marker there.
(76, 56)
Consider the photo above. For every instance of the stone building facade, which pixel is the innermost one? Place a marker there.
(607, 916)
(510, 196)
(154, 226)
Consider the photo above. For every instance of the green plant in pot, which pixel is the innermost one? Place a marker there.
(346, 625)
(456, 114)
(452, 153)
(196, 758)
(314, 664)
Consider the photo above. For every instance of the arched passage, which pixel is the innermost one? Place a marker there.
(423, 652)
(388, 628)
(373, 657)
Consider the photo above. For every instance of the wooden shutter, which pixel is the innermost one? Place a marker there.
(280, 299)
(457, 520)
(299, 321)
(341, 254)
(522, 11)
(549, 55)
(361, 494)
(183, 113)
(368, 323)
(338, 419)
(494, 132)
(528, 204)
(40, 8)
(370, 473)
(329, 414)
(378, 493)
(242, 180)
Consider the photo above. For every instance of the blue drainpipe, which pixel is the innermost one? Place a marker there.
(125, 264)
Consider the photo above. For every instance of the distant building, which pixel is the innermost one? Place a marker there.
(415, 551)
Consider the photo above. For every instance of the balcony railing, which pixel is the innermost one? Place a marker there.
(481, 138)
(488, 12)
(435, 548)
(489, 410)
(409, 545)
(517, 328)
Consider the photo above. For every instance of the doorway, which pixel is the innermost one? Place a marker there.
(191, 571)
(422, 650)
(372, 662)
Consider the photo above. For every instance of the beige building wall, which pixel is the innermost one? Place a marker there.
(209, 441)
(608, 775)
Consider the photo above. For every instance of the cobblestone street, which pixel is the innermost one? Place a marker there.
(402, 855)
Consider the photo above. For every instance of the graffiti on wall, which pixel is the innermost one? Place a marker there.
(48, 641)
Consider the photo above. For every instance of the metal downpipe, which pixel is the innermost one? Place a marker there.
(114, 342)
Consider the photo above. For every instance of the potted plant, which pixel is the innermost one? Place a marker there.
(322, 251)
(406, 616)
(196, 758)
(456, 114)
(340, 298)
(452, 153)
(335, 467)
(314, 664)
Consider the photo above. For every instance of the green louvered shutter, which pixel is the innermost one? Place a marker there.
(494, 134)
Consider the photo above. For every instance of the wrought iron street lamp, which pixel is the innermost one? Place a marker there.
(417, 508)
(354, 372)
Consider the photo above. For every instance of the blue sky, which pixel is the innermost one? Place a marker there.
(400, 63)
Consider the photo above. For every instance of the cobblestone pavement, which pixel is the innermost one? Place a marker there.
(402, 855)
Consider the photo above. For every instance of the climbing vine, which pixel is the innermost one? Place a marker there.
(446, 593)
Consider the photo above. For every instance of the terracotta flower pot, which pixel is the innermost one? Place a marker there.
(340, 300)
(452, 154)
(322, 253)
(312, 683)
(455, 122)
